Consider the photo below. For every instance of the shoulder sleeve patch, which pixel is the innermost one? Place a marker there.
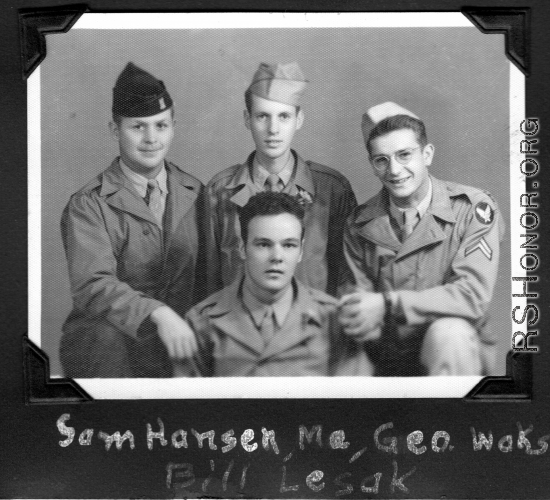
(484, 213)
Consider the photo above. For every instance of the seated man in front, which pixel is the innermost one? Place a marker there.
(424, 256)
(267, 323)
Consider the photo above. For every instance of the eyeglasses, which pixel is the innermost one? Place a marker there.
(403, 157)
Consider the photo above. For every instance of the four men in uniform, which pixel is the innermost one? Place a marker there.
(273, 242)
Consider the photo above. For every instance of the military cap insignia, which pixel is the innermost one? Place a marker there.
(138, 93)
(482, 246)
(484, 213)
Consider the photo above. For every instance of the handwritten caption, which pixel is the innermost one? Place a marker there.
(182, 476)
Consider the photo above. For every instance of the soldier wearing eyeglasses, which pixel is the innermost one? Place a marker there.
(423, 255)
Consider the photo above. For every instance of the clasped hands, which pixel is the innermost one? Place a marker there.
(361, 314)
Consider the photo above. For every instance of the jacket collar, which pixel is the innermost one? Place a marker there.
(374, 221)
(182, 196)
(242, 181)
(228, 312)
(303, 179)
(120, 193)
(441, 206)
(113, 179)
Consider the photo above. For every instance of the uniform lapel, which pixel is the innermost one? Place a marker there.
(429, 231)
(380, 232)
(242, 180)
(426, 233)
(230, 317)
(295, 329)
(302, 180)
(120, 194)
(375, 225)
(180, 199)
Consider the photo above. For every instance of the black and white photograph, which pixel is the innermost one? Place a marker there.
(274, 251)
(163, 257)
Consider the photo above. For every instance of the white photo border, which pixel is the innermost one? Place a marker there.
(235, 388)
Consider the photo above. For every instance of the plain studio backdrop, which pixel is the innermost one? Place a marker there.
(455, 79)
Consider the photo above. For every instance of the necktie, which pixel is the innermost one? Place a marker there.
(410, 217)
(273, 183)
(153, 199)
(268, 326)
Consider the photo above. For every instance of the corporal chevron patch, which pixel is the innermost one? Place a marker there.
(482, 246)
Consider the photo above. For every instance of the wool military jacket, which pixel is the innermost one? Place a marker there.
(122, 263)
(308, 343)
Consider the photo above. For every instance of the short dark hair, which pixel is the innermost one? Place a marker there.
(398, 122)
(248, 101)
(268, 203)
(118, 118)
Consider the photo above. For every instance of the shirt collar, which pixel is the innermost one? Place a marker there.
(140, 183)
(258, 309)
(422, 207)
(260, 173)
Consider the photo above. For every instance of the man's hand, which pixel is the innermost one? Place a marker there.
(361, 314)
(175, 333)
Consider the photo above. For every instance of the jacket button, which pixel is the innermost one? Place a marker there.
(146, 231)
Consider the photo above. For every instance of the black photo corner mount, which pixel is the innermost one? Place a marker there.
(34, 24)
(515, 386)
(39, 387)
(513, 23)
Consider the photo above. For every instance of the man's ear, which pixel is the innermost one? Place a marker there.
(246, 116)
(299, 119)
(429, 151)
(113, 128)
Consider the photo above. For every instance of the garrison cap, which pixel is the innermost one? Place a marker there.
(377, 113)
(138, 93)
(279, 82)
